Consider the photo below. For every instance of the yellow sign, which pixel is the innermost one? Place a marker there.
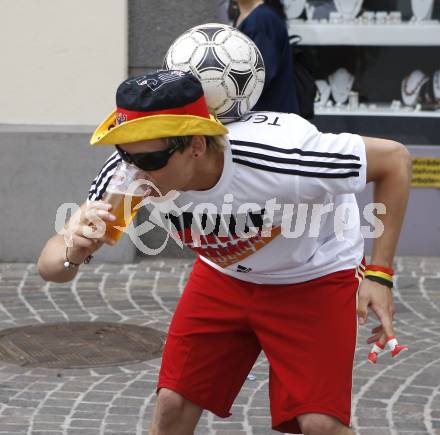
(426, 172)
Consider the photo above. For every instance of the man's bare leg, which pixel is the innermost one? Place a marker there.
(322, 424)
(174, 415)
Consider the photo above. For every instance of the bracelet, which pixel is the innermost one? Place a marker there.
(380, 280)
(71, 265)
(379, 274)
(376, 268)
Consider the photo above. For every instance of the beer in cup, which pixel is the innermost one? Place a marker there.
(124, 192)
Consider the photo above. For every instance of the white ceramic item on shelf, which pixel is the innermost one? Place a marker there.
(335, 18)
(396, 105)
(422, 9)
(310, 11)
(323, 91)
(294, 8)
(436, 86)
(367, 17)
(341, 82)
(411, 86)
(348, 8)
(381, 17)
(395, 17)
(353, 100)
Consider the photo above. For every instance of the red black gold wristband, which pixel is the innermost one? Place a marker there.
(379, 274)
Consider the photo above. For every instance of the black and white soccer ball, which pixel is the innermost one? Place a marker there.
(228, 64)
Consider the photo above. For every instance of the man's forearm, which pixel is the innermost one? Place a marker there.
(51, 262)
(392, 190)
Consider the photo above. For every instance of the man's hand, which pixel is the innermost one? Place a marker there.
(86, 230)
(379, 298)
(82, 235)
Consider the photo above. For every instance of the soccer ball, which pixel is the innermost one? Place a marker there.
(228, 64)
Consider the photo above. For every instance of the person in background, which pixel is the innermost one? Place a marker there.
(264, 22)
(221, 11)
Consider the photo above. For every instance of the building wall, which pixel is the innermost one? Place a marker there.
(61, 60)
(155, 24)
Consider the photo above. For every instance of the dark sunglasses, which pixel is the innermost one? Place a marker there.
(148, 161)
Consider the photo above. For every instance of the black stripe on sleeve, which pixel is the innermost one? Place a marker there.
(297, 172)
(295, 151)
(269, 158)
(100, 183)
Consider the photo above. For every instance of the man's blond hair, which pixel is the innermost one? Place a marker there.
(213, 143)
(216, 143)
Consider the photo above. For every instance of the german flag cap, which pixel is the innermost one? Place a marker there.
(161, 104)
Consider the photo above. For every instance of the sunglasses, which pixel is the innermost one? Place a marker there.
(148, 161)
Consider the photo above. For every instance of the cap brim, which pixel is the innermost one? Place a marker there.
(154, 127)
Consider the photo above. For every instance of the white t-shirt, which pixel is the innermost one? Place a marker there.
(283, 210)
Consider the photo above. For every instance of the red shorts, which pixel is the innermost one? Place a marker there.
(307, 331)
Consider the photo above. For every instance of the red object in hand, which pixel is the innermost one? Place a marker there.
(372, 357)
(394, 347)
(397, 349)
(375, 351)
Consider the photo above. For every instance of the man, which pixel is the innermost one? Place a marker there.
(257, 283)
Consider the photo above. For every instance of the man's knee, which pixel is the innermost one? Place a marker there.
(169, 404)
(172, 409)
(321, 424)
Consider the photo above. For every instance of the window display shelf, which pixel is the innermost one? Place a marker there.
(404, 34)
(379, 110)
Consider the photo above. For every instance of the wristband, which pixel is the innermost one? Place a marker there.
(379, 274)
(376, 268)
(380, 280)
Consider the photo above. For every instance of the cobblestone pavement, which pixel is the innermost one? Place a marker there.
(394, 397)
